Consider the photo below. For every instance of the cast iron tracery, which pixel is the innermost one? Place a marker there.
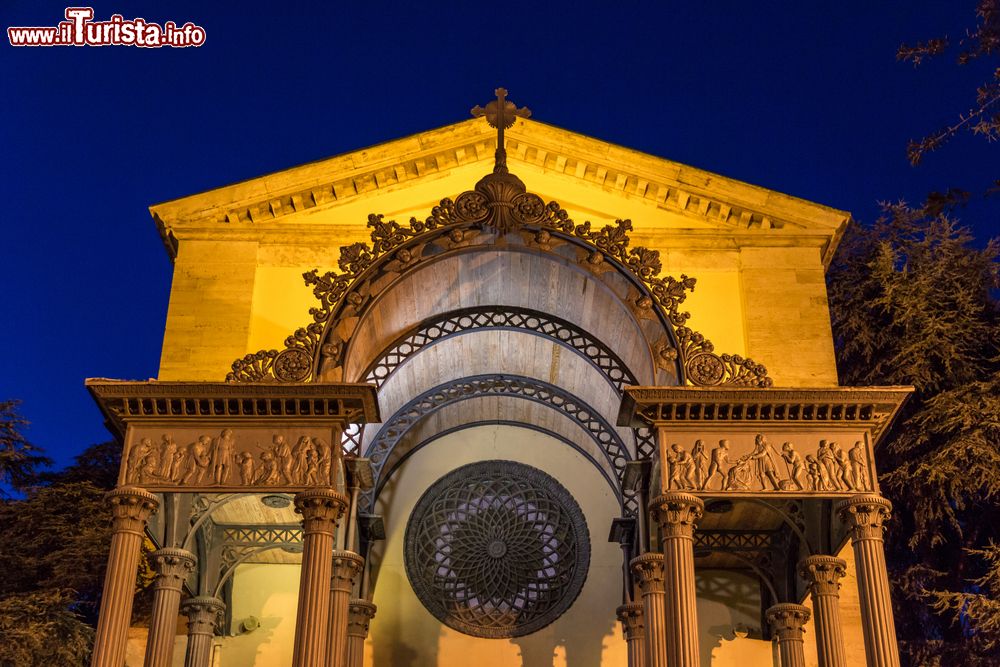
(498, 208)
(497, 549)
(397, 426)
(466, 320)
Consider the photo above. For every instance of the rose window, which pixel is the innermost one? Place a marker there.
(497, 549)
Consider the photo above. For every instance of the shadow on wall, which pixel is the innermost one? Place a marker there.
(254, 647)
(729, 620)
(582, 650)
(396, 628)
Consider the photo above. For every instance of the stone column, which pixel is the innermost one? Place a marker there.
(822, 575)
(172, 566)
(346, 566)
(131, 507)
(648, 571)
(320, 509)
(678, 513)
(204, 617)
(360, 614)
(865, 515)
(633, 626)
(786, 621)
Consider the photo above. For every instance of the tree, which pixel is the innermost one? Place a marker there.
(38, 629)
(912, 303)
(19, 459)
(983, 118)
(53, 552)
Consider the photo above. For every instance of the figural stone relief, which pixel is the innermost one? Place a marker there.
(226, 458)
(758, 464)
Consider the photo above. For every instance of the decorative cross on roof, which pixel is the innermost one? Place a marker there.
(501, 114)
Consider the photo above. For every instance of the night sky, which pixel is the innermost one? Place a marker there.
(801, 97)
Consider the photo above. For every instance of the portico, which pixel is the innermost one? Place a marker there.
(475, 396)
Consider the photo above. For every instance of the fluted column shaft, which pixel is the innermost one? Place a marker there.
(360, 614)
(346, 566)
(678, 514)
(786, 621)
(822, 575)
(865, 516)
(131, 507)
(204, 616)
(634, 628)
(172, 566)
(648, 572)
(320, 510)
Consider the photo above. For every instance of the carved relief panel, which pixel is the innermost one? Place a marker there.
(219, 458)
(781, 461)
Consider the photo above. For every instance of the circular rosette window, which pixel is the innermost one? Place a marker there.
(497, 549)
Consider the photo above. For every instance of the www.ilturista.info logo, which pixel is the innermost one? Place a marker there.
(79, 29)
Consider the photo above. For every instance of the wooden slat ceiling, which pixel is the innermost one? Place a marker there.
(492, 277)
(500, 351)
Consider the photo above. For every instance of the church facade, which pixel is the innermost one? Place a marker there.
(498, 394)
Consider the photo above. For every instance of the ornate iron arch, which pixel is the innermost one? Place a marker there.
(498, 210)
(613, 483)
(466, 320)
(496, 384)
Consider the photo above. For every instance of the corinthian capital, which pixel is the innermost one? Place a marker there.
(677, 513)
(822, 574)
(865, 515)
(632, 620)
(320, 509)
(787, 620)
(204, 614)
(172, 566)
(131, 507)
(648, 571)
(346, 565)
(360, 613)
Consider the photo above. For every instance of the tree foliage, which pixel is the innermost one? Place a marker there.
(980, 43)
(40, 629)
(20, 461)
(912, 302)
(53, 550)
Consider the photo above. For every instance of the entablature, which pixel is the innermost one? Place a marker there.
(806, 443)
(221, 437)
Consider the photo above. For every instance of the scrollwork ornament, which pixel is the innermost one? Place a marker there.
(499, 202)
(292, 365)
(471, 206)
(528, 208)
(705, 369)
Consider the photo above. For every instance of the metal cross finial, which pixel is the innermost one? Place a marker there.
(501, 114)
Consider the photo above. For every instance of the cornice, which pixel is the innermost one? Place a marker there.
(733, 206)
(872, 408)
(125, 402)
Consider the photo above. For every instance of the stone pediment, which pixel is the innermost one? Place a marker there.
(592, 179)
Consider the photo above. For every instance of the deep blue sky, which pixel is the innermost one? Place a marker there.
(802, 97)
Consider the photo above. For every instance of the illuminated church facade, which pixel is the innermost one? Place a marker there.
(539, 400)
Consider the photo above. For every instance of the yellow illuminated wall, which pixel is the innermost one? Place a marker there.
(238, 288)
